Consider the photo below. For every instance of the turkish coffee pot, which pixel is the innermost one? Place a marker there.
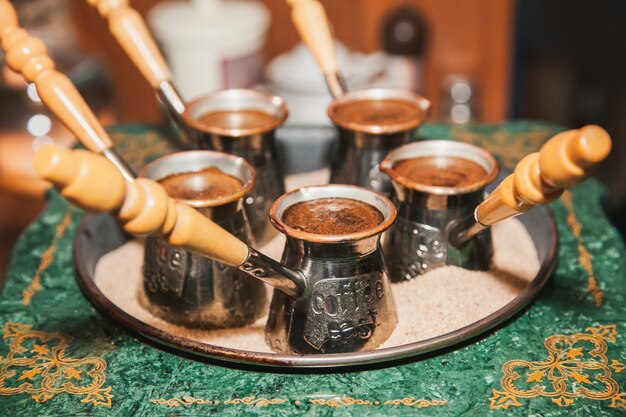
(370, 122)
(443, 217)
(185, 288)
(347, 303)
(436, 194)
(244, 121)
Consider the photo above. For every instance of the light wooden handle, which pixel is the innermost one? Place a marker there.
(28, 55)
(541, 177)
(131, 32)
(311, 21)
(142, 207)
(570, 157)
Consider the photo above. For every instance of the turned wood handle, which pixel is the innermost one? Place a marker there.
(131, 32)
(311, 21)
(28, 55)
(142, 207)
(541, 177)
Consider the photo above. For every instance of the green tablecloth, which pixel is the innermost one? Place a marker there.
(565, 355)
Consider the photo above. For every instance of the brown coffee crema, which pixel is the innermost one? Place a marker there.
(238, 119)
(332, 216)
(440, 171)
(385, 112)
(208, 184)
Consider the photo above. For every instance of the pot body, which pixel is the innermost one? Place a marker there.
(188, 289)
(418, 241)
(367, 136)
(346, 305)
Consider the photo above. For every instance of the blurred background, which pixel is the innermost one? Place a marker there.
(476, 60)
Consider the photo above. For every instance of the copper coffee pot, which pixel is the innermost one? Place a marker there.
(185, 288)
(417, 241)
(369, 126)
(566, 160)
(449, 224)
(256, 145)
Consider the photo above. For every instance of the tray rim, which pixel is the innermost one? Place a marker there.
(334, 360)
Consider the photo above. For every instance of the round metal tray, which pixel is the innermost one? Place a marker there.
(100, 234)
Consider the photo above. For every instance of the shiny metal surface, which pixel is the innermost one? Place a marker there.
(254, 145)
(119, 162)
(184, 288)
(419, 240)
(347, 305)
(358, 164)
(171, 97)
(274, 273)
(175, 105)
(462, 231)
(336, 84)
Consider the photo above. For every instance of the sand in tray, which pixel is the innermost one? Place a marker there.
(438, 302)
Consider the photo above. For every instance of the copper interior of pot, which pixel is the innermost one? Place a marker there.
(379, 111)
(235, 113)
(447, 167)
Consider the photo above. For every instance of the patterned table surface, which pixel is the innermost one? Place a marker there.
(565, 355)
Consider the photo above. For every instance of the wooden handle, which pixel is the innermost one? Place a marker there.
(28, 55)
(541, 177)
(574, 155)
(311, 21)
(93, 183)
(131, 32)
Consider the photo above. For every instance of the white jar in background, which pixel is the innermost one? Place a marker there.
(211, 44)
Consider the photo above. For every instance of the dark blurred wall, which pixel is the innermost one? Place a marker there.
(570, 68)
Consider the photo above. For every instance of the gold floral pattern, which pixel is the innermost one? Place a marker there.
(344, 401)
(584, 257)
(334, 402)
(412, 402)
(47, 257)
(189, 400)
(177, 402)
(36, 365)
(577, 366)
(257, 402)
(337, 402)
